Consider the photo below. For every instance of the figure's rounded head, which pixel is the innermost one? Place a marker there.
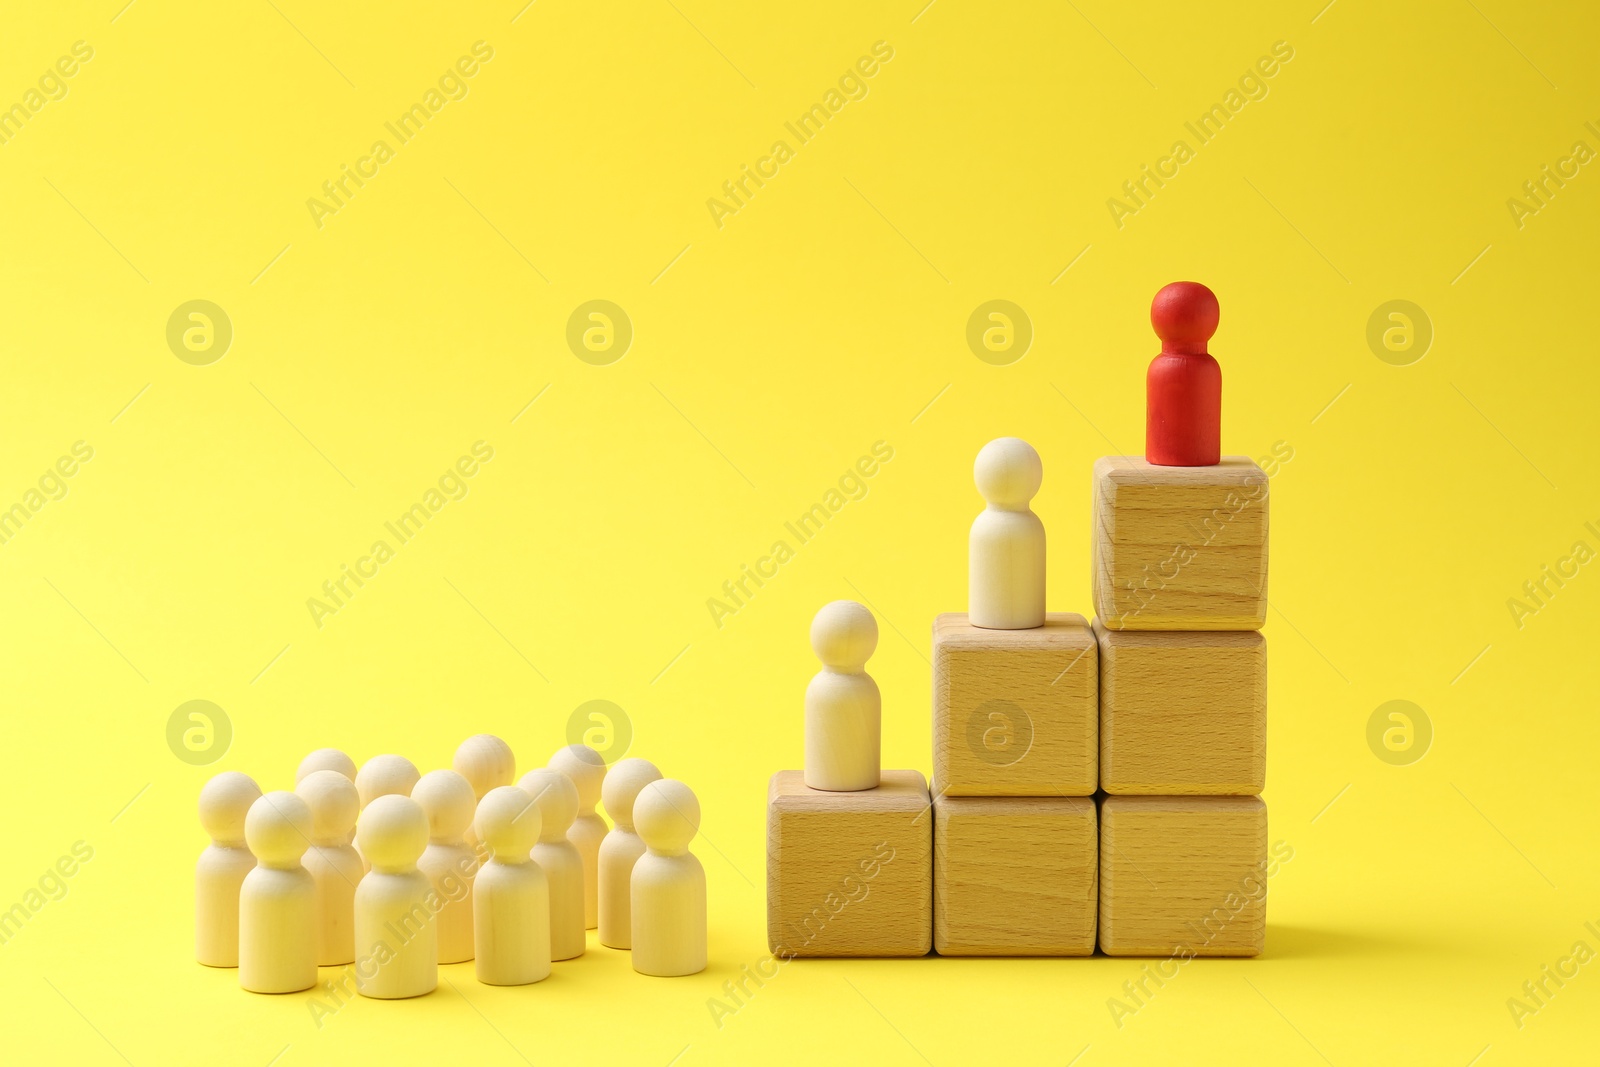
(486, 762)
(325, 759)
(448, 802)
(392, 833)
(622, 785)
(586, 769)
(1185, 316)
(666, 816)
(844, 635)
(508, 822)
(383, 776)
(557, 798)
(334, 804)
(1008, 472)
(278, 829)
(224, 802)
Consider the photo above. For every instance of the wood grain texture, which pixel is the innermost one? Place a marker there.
(1182, 712)
(1015, 712)
(1180, 548)
(1183, 876)
(849, 874)
(1014, 876)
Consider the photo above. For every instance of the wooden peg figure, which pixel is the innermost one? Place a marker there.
(669, 885)
(224, 804)
(278, 900)
(325, 759)
(557, 798)
(1006, 548)
(511, 897)
(487, 763)
(1183, 389)
(383, 776)
(447, 800)
(397, 941)
(621, 848)
(587, 770)
(332, 862)
(329, 759)
(844, 710)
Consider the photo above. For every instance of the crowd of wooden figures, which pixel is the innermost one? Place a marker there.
(392, 873)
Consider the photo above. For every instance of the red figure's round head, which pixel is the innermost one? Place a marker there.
(1184, 315)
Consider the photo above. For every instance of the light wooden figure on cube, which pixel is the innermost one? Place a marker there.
(487, 763)
(332, 862)
(1180, 548)
(1183, 876)
(224, 804)
(278, 900)
(844, 710)
(1014, 876)
(668, 883)
(449, 804)
(325, 759)
(557, 798)
(1015, 712)
(1006, 548)
(621, 847)
(1182, 712)
(397, 941)
(849, 874)
(587, 770)
(510, 897)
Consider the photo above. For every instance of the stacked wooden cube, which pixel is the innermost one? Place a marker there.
(1180, 568)
(1015, 759)
(1093, 783)
(1087, 776)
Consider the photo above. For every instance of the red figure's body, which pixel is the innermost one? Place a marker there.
(1183, 391)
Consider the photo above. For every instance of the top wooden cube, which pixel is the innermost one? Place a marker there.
(1180, 548)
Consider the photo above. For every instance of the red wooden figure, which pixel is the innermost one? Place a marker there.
(1183, 391)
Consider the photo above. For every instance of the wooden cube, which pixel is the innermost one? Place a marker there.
(1182, 712)
(1183, 875)
(1180, 548)
(849, 874)
(1014, 876)
(1015, 712)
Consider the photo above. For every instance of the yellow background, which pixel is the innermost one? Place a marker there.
(768, 355)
